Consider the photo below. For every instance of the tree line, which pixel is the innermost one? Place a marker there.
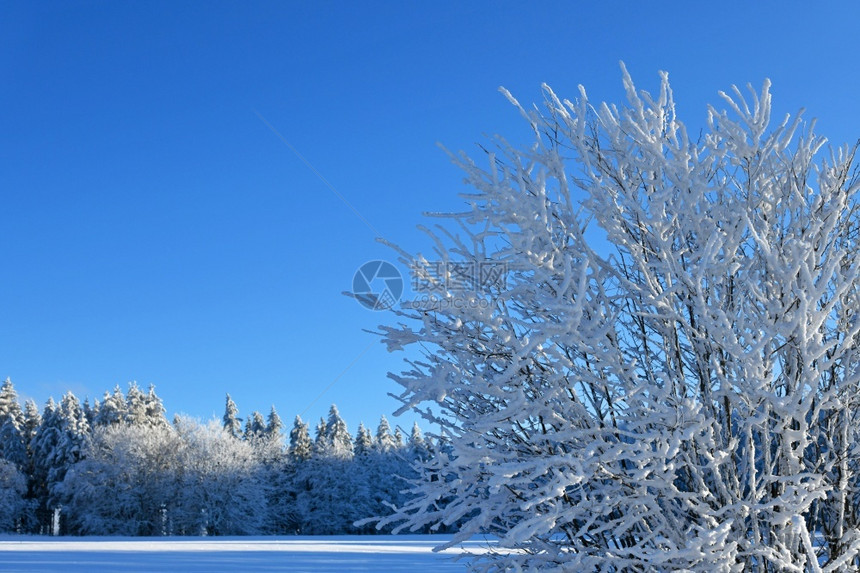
(119, 467)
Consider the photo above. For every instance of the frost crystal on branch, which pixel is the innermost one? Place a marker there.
(684, 398)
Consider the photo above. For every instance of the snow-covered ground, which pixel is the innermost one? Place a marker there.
(341, 554)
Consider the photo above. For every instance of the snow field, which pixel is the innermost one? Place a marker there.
(342, 554)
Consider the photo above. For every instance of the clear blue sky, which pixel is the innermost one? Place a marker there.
(153, 228)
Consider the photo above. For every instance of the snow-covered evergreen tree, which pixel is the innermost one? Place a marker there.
(10, 409)
(274, 425)
(417, 444)
(320, 434)
(255, 427)
(380, 478)
(12, 445)
(57, 444)
(112, 410)
(338, 441)
(135, 406)
(325, 495)
(231, 421)
(91, 411)
(32, 421)
(154, 408)
(686, 400)
(42, 447)
(398, 439)
(72, 440)
(284, 515)
(363, 441)
(384, 439)
(300, 447)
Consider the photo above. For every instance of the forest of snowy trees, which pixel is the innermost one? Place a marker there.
(119, 467)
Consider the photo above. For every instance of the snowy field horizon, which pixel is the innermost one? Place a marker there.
(318, 554)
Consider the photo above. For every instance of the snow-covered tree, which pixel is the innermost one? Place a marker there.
(42, 447)
(135, 406)
(274, 425)
(384, 440)
(73, 437)
(398, 439)
(338, 442)
(154, 408)
(112, 410)
(284, 515)
(300, 447)
(142, 409)
(32, 421)
(380, 478)
(255, 427)
(686, 398)
(127, 483)
(12, 445)
(231, 421)
(13, 486)
(363, 441)
(90, 411)
(417, 444)
(9, 406)
(221, 491)
(320, 435)
(276, 472)
(14, 460)
(191, 479)
(58, 443)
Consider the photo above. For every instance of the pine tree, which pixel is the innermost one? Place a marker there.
(154, 409)
(232, 423)
(338, 440)
(112, 410)
(384, 439)
(12, 446)
(320, 438)
(32, 422)
(255, 427)
(73, 436)
(135, 406)
(399, 441)
(10, 409)
(274, 425)
(301, 446)
(417, 444)
(416, 438)
(91, 411)
(363, 441)
(43, 446)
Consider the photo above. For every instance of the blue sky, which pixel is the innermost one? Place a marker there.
(155, 229)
